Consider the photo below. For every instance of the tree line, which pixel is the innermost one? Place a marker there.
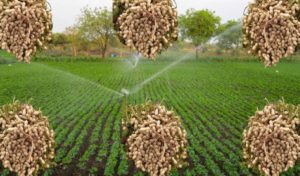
(94, 31)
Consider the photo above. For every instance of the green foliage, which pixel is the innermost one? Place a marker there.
(95, 25)
(59, 39)
(77, 41)
(199, 26)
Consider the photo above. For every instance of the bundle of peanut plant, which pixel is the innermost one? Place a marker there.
(272, 139)
(272, 29)
(148, 26)
(26, 140)
(155, 139)
(25, 26)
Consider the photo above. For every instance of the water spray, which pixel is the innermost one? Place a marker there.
(100, 86)
(228, 31)
(148, 80)
(134, 62)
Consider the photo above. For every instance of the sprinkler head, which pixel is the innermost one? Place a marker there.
(125, 92)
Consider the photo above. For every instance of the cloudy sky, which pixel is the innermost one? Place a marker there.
(65, 12)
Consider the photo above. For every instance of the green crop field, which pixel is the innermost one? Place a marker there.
(84, 103)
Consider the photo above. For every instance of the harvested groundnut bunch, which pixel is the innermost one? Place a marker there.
(149, 26)
(25, 25)
(26, 140)
(272, 29)
(156, 141)
(272, 139)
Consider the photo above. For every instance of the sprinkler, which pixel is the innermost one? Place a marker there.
(125, 92)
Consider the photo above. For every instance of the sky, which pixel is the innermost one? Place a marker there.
(66, 12)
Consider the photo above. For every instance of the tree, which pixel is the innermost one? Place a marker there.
(95, 25)
(59, 39)
(199, 26)
(230, 35)
(74, 38)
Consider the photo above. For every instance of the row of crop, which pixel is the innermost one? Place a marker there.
(105, 146)
(72, 132)
(116, 149)
(87, 131)
(112, 160)
(100, 133)
(81, 133)
(215, 122)
(91, 103)
(73, 111)
(65, 153)
(277, 80)
(190, 105)
(63, 94)
(211, 108)
(96, 154)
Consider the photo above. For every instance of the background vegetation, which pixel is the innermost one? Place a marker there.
(201, 31)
